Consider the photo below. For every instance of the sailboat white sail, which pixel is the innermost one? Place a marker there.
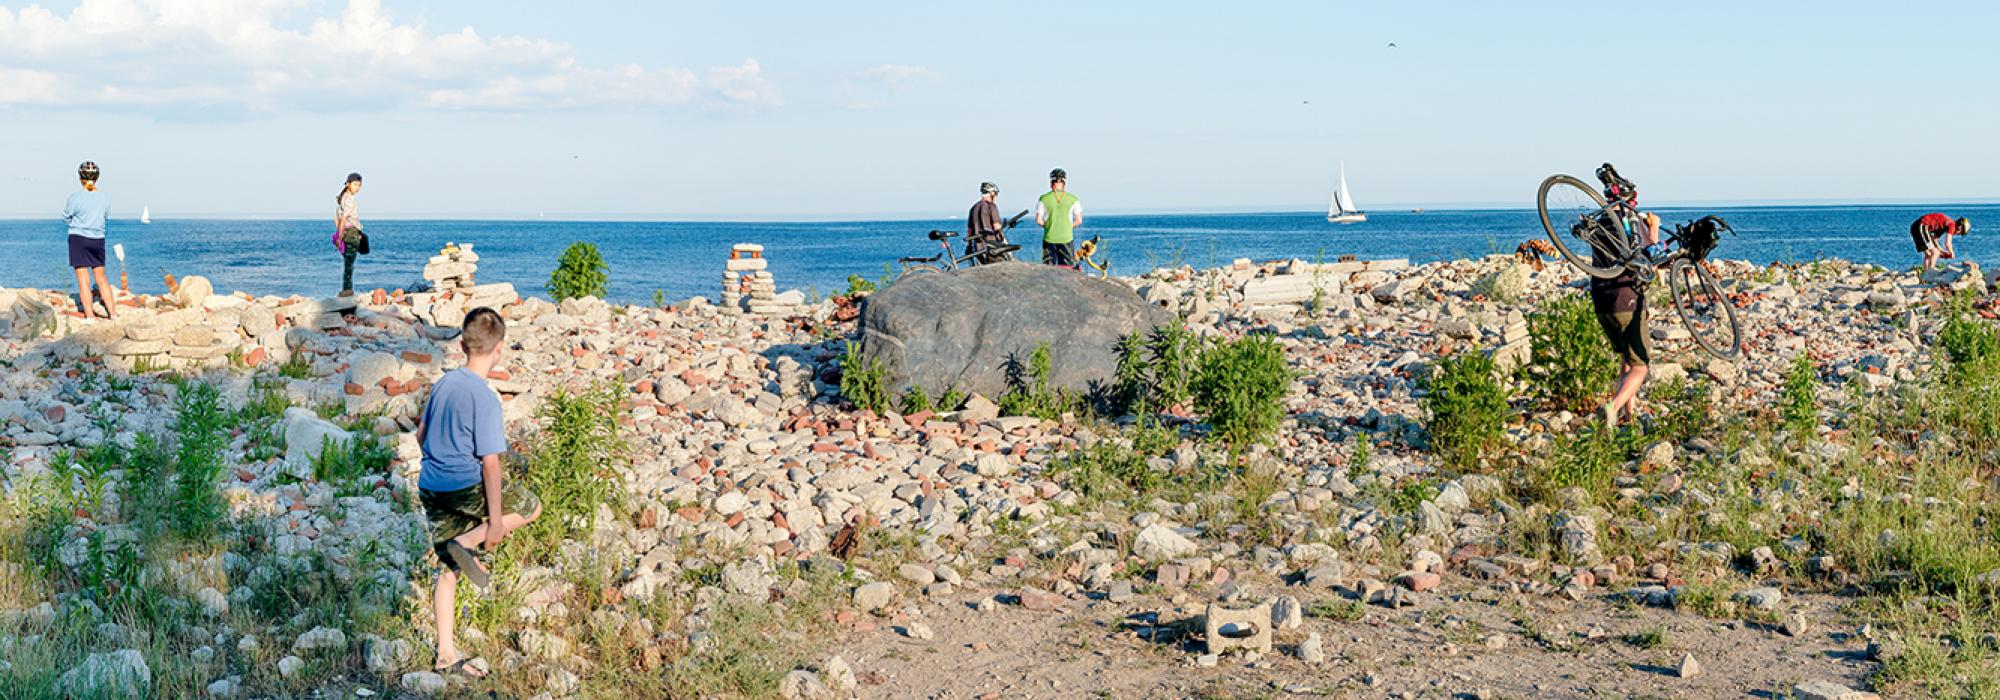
(1343, 210)
(145, 215)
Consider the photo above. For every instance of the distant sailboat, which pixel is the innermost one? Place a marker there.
(1343, 211)
(145, 215)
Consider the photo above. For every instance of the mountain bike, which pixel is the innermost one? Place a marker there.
(1601, 238)
(951, 261)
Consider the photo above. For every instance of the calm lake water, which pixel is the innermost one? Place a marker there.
(683, 259)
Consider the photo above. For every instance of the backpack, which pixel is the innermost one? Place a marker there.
(1701, 236)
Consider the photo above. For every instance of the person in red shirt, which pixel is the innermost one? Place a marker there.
(1932, 234)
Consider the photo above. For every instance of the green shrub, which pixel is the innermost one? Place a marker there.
(858, 286)
(1970, 345)
(199, 424)
(1131, 379)
(580, 273)
(1411, 497)
(1118, 468)
(295, 367)
(1239, 386)
(861, 381)
(1468, 409)
(1589, 459)
(951, 400)
(1174, 353)
(1686, 407)
(573, 463)
(1573, 364)
(1798, 404)
(342, 461)
(1030, 392)
(916, 400)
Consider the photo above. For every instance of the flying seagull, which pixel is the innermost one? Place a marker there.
(1392, 44)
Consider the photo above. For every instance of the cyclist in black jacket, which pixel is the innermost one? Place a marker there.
(1620, 302)
(982, 225)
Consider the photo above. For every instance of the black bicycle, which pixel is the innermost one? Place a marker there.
(984, 251)
(1601, 238)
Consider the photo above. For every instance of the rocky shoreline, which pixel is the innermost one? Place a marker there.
(745, 462)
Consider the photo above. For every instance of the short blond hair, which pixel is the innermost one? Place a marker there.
(483, 331)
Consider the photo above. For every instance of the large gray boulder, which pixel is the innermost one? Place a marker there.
(957, 330)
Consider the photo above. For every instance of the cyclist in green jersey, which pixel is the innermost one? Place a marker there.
(1059, 213)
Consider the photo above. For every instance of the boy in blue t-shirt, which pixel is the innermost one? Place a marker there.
(84, 215)
(463, 435)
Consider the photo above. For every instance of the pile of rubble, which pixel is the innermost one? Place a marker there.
(741, 442)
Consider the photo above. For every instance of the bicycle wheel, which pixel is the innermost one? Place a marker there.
(1576, 219)
(1705, 310)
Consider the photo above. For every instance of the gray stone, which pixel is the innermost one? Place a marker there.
(193, 290)
(305, 434)
(1312, 650)
(118, 674)
(1286, 613)
(1828, 690)
(320, 639)
(959, 330)
(916, 573)
(804, 685)
(1158, 543)
(423, 683)
(1766, 598)
(874, 596)
(1689, 667)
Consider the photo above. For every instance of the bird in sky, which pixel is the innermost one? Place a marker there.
(1392, 44)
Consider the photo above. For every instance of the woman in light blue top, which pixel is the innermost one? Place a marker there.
(84, 214)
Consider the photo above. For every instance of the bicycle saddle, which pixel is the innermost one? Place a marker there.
(941, 235)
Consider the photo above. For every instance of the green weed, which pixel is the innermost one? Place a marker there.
(1468, 409)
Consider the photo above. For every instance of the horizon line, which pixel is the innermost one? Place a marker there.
(856, 217)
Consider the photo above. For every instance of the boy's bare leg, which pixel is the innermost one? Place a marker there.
(104, 290)
(444, 607)
(476, 537)
(83, 292)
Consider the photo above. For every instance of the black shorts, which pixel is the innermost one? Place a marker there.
(1623, 318)
(1923, 239)
(454, 513)
(85, 251)
(1063, 254)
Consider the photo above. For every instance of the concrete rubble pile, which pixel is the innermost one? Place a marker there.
(742, 447)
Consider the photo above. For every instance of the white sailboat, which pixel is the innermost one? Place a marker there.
(145, 215)
(1343, 211)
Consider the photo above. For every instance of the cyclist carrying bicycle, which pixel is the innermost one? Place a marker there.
(1620, 302)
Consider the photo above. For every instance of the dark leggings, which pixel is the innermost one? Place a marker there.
(350, 240)
(347, 270)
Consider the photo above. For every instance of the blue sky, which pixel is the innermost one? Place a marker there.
(795, 109)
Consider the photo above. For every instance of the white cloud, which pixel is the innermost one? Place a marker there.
(895, 74)
(260, 55)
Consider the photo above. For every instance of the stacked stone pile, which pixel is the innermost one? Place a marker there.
(453, 290)
(747, 285)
